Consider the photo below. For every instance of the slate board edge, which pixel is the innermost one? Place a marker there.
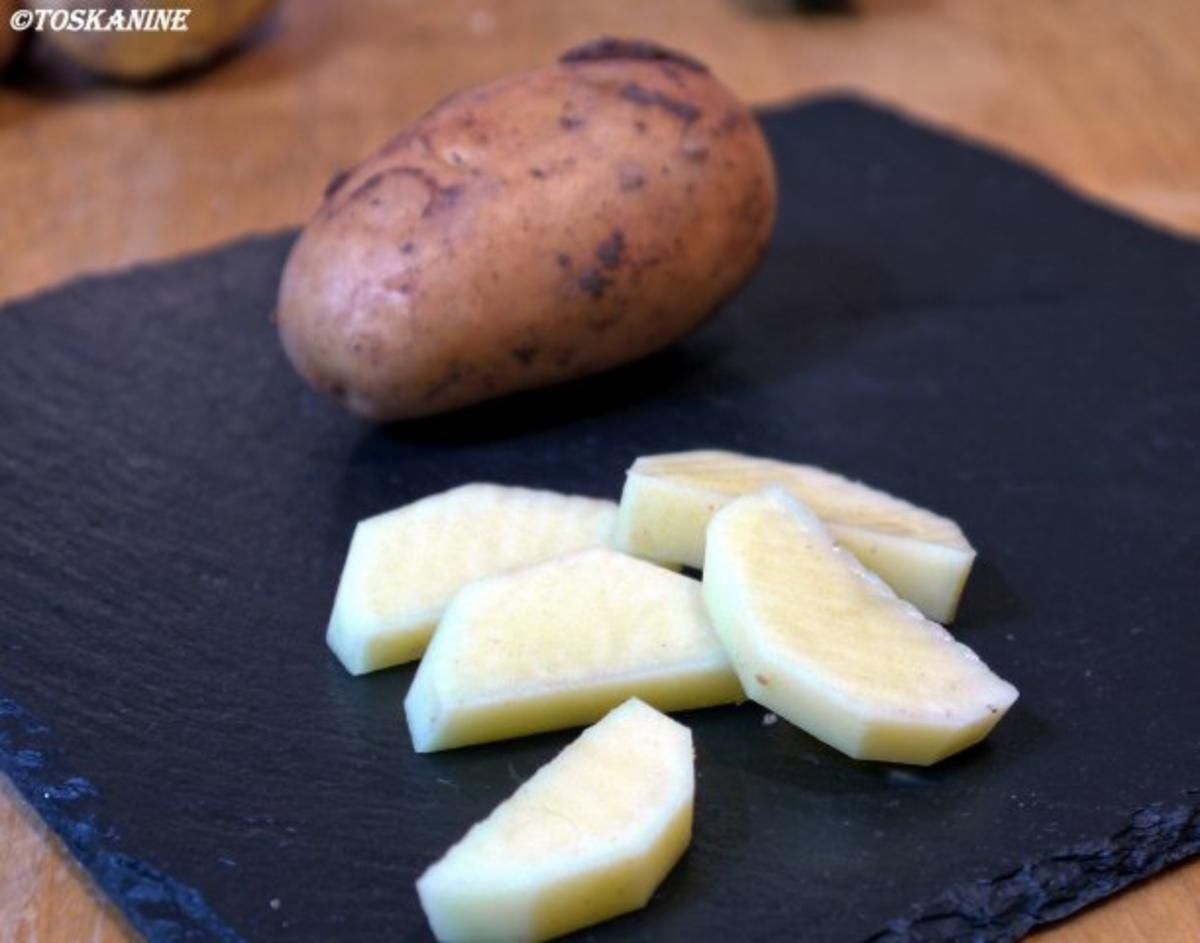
(157, 905)
(1057, 885)
(1128, 215)
(88, 276)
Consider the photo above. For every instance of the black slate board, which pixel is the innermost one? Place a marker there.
(174, 508)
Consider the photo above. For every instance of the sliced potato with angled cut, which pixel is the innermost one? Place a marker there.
(588, 837)
(826, 644)
(669, 499)
(404, 566)
(561, 643)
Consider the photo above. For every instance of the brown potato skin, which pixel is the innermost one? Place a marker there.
(538, 228)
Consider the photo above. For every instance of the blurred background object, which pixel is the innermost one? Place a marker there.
(9, 39)
(139, 56)
(1102, 93)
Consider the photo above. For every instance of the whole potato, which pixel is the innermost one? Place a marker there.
(542, 227)
(141, 55)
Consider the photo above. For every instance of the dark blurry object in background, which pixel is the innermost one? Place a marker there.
(788, 7)
(824, 6)
(143, 56)
(10, 39)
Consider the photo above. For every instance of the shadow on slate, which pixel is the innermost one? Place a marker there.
(945, 324)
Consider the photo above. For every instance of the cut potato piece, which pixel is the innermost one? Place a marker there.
(823, 642)
(561, 643)
(404, 566)
(669, 499)
(588, 837)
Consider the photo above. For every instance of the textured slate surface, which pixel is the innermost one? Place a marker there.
(174, 507)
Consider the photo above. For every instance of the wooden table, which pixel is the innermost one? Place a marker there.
(1105, 94)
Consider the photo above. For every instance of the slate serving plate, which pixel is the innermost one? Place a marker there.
(174, 507)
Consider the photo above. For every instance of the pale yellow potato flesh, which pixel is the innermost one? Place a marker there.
(404, 566)
(669, 499)
(588, 837)
(824, 643)
(561, 643)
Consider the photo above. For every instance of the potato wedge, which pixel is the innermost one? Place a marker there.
(404, 566)
(669, 499)
(588, 837)
(561, 643)
(824, 643)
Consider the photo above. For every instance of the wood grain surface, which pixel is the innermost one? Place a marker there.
(1101, 93)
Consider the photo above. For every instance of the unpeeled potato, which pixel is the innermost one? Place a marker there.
(141, 55)
(542, 227)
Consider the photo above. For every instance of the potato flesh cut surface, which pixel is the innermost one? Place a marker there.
(561, 643)
(588, 837)
(827, 645)
(669, 499)
(404, 566)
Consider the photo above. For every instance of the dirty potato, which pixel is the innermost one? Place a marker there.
(542, 227)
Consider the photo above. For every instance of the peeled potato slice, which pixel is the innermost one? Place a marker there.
(824, 643)
(404, 566)
(588, 837)
(561, 643)
(669, 499)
